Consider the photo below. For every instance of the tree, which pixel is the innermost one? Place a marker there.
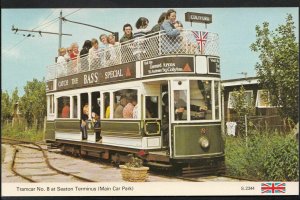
(5, 106)
(278, 69)
(14, 99)
(33, 103)
(242, 105)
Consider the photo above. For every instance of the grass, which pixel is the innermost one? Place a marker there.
(19, 132)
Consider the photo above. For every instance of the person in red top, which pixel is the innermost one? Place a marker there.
(73, 56)
(65, 113)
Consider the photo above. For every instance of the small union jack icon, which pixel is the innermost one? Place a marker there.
(277, 187)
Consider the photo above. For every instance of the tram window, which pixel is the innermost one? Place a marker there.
(180, 105)
(151, 107)
(217, 103)
(63, 109)
(125, 101)
(106, 108)
(51, 104)
(200, 100)
(96, 102)
(75, 106)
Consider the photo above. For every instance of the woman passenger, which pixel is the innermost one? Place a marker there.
(93, 57)
(141, 32)
(104, 55)
(73, 56)
(170, 42)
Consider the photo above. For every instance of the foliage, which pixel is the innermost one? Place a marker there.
(263, 156)
(242, 106)
(33, 102)
(14, 99)
(134, 162)
(278, 69)
(5, 106)
(19, 132)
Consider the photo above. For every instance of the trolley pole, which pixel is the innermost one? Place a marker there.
(60, 29)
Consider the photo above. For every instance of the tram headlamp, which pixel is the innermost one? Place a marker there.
(203, 141)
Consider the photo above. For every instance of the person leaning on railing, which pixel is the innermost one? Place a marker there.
(188, 42)
(170, 43)
(61, 60)
(114, 49)
(83, 54)
(93, 56)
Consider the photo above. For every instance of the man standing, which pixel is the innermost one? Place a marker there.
(127, 28)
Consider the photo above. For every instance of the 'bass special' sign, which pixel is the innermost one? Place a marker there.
(98, 76)
(214, 65)
(168, 65)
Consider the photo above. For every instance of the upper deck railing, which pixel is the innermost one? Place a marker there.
(153, 45)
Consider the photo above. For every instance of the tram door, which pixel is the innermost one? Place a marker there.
(165, 123)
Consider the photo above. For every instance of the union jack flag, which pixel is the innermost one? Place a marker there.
(201, 38)
(276, 187)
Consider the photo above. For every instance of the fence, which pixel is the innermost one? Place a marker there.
(153, 45)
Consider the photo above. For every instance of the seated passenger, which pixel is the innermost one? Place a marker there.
(65, 113)
(170, 43)
(118, 113)
(93, 57)
(128, 109)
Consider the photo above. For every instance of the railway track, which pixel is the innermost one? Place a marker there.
(36, 154)
(30, 161)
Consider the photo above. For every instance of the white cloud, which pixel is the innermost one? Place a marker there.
(11, 53)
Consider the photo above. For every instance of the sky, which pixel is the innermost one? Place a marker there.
(25, 58)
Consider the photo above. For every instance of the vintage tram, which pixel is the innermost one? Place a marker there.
(175, 82)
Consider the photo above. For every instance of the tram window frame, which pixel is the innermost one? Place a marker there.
(106, 105)
(121, 97)
(96, 102)
(51, 104)
(63, 101)
(75, 107)
(179, 114)
(147, 113)
(217, 102)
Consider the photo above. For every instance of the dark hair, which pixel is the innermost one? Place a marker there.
(127, 25)
(141, 22)
(162, 17)
(169, 13)
(87, 44)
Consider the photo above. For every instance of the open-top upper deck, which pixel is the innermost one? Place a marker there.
(155, 55)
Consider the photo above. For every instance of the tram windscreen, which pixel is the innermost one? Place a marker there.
(200, 100)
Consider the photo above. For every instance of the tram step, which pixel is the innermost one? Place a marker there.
(159, 165)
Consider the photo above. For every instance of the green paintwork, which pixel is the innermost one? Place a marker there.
(50, 132)
(186, 140)
(121, 128)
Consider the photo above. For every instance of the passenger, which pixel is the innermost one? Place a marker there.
(104, 54)
(127, 28)
(188, 41)
(96, 120)
(170, 43)
(119, 108)
(68, 59)
(73, 56)
(107, 110)
(161, 19)
(179, 105)
(141, 32)
(114, 49)
(62, 61)
(126, 48)
(135, 112)
(94, 55)
(65, 113)
(128, 109)
(141, 25)
(84, 118)
(83, 54)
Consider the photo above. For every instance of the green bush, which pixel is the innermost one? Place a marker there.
(263, 156)
(19, 132)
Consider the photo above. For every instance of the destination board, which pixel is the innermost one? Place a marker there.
(49, 85)
(168, 65)
(214, 65)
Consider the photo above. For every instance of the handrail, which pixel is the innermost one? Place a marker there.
(153, 45)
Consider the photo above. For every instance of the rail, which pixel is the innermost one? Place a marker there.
(153, 45)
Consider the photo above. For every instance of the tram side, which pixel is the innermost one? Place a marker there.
(177, 119)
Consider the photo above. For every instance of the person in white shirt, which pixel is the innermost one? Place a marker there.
(93, 56)
(61, 60)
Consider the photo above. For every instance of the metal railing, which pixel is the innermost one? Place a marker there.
(153, 45)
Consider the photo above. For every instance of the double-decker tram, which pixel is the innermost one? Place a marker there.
(157, 97)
